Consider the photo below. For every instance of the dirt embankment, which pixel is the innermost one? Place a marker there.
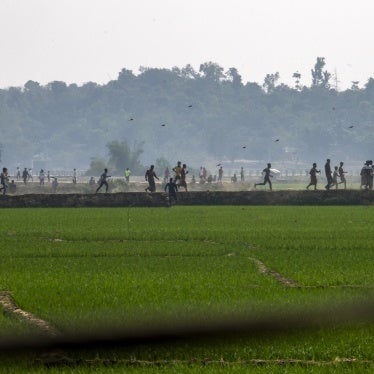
(158, 199)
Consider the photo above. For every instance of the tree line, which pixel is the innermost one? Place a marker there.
(184, 114)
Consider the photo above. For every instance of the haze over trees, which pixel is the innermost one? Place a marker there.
(181, 113)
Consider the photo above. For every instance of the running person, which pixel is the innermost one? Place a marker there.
(335, 177)
(328, 174)
(103, 181)
(313, 176)
(150, 176)
(341, 175)
(267, 177)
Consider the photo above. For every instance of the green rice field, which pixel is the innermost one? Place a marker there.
(99, 268)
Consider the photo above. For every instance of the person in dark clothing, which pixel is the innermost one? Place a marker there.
(220, 174)
(4, 181)
(267, 177)
(150, 176)
(25, 175)
(328, 174)
(171, 188)
(313, 176)
(103, 181)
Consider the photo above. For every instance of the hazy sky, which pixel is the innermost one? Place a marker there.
(77, 41)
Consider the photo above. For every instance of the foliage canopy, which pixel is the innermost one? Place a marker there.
(181, 113)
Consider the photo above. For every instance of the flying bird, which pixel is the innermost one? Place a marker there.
(190, 106)
(351, 127)
(131, 119)
(219, 164)
(276, 140)
(163, 125)
(244, 146)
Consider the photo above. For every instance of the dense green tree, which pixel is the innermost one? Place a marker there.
(270, 82)
(212, 71)
(188, 72)
(234, 77)
(320, 78)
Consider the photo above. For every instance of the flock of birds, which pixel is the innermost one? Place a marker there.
(244, 146)
(163, 124)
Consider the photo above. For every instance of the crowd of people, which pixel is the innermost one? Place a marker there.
(27, 176)
(335, 176)
(367, 175)
(173, 184)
